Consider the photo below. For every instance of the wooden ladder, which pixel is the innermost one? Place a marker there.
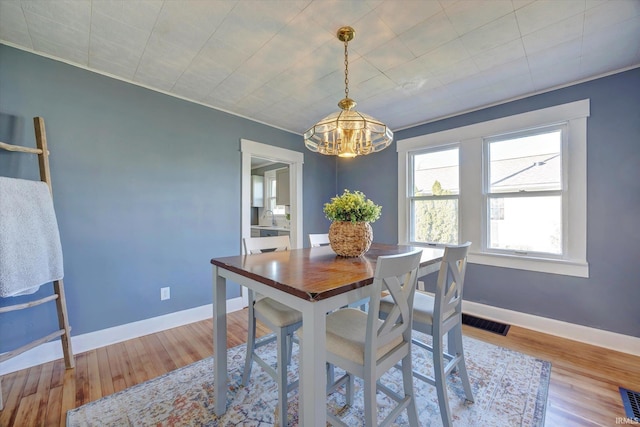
(64, 330)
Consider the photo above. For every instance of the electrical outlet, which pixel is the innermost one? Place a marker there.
(165, 293)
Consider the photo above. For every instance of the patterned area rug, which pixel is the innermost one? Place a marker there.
(510, 389)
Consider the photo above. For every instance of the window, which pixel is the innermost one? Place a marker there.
(434, 197)
(515, 187)
(270, 185)
(524, 191)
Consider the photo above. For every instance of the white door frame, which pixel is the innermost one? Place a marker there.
(295, 160)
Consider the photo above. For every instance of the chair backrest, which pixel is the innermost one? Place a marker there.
(316, 240)
(448, 296)
(397, 274)
(256, 245)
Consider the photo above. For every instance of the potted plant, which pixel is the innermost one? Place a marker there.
(350, 233)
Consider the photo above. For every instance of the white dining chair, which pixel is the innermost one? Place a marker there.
(281, 319)
(316, 240)
(441, 315)
(365, 346)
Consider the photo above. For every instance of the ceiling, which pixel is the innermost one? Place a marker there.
(280, 63)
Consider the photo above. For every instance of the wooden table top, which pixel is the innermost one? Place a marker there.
(317, 273)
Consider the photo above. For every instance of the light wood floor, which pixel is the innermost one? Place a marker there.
(583, 390)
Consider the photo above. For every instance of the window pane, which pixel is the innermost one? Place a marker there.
(530, 163)
(530, 224)
(435, 221)
(436, 173)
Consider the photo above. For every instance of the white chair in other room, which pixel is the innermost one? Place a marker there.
(316, 240)
(438, 316)
(365, 346)
(284, 321)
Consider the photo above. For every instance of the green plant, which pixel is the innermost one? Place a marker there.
(354, 207)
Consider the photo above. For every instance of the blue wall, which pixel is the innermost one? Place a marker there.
(146, 191)
(609, 298)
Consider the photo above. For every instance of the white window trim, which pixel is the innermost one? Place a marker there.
(471, 205)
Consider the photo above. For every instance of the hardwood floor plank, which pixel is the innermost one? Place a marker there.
(68, 392)
(104, 371)
(27, 412)
(44, 384)
(81, 379)
(54, 415)
(12, 397)
(583, 390)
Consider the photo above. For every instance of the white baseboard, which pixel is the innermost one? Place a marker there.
(53, 350)
(85, 342)
(585, 334)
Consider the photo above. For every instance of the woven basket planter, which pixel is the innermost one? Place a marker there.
(350, 239)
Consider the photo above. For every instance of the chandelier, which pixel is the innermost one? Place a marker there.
(347, 133)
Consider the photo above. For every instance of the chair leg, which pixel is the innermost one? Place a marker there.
(1, 401)
(251, 342)
(350, 389)
(461, 365)
(452, 347)
(407, 380)
(440, 380)
(370, 403)
(289, 348)
(331, 375)
(281, 371)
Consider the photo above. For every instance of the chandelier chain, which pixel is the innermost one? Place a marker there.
(346, 71)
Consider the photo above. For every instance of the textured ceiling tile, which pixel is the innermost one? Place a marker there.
(75, 14)
(265, 58)
(462, 70)
(542, 13)
(505, 71)
(598, 61)
(333, 14)
(466, 16)
(430, 34)
(502, 54)
(515, 86)
(374, 86)
(43, 28)
(492, 35)
(553, 35)
(116, 68)
(400, 18)
(13, 26)
(60, 51)
(563, 72)
(371, 32)
(448, 55)
(196, 85)
(390, 55)
(118, 32)
(624, 35)
(607, 14)
(141, 14)
(112, 58)
(193, 26)
(297, 38)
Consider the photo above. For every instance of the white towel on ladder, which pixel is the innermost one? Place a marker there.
(30, 250)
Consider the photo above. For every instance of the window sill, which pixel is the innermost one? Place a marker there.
(577, 268)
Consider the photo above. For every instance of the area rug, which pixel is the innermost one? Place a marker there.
(510, 389)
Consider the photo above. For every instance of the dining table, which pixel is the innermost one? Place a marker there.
(314, 281)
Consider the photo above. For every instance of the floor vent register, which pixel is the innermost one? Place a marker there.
(487, 325)
(631, 402)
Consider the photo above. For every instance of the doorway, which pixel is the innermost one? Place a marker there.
(251, 150)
